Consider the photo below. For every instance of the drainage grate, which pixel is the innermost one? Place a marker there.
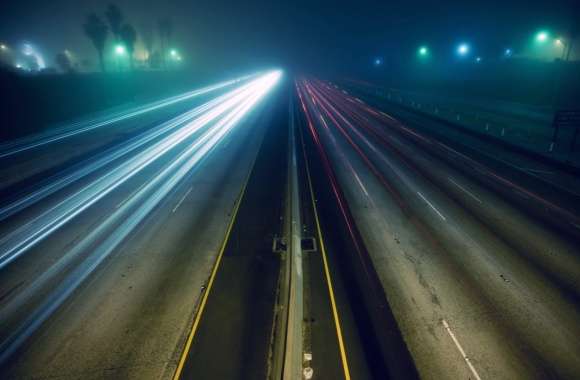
(279, 245)
(308, 244)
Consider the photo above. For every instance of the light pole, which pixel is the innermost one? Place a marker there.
(559, 42)
(119, 52)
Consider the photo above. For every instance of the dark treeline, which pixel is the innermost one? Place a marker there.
(112, 26)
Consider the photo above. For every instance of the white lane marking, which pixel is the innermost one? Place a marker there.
(182, 199)
(454, 151)
(430, 205)
(360, 101)
(131, 196)
(464, 190)
(360, 184)
(471, 367)
(388, 116)
(537, 171)
(529, 171)
(415, 134)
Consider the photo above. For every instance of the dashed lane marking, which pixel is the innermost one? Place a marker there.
(461, 351)
(430, 205)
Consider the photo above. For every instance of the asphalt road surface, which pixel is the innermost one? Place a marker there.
(480, 286)
(140, 244)
(142, 247)
(101, 277)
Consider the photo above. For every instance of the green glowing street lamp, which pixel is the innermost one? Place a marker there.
(174, 55)
(423, 51)
(120, 50)
(542, 36)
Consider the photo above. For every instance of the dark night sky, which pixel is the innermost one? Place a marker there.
(316, 34)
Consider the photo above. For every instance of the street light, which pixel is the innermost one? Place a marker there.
(559, 43)
(423, 51)
(508, 52)
(378, 61)
(542, 36)
(463, 49)
(478, 59)
(120, 50)
(173, 52)
(3, 47)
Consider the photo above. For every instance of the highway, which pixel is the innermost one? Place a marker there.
(271, 227)
(141, 245)
(479, 286)
(104, 262)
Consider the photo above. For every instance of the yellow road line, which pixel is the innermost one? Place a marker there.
(198, 315)
(326, 269)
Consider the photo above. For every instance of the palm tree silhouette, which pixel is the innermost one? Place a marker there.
(165, 27)
(115, 19)
(128, 35)
(96, 30)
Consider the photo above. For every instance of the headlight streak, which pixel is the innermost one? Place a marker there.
(27, 143)
(26, 236)
(110, 155)
(134, 211)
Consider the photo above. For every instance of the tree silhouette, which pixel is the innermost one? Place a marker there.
(96, 30)
(129, 36)
(115, 19)
(165, 30)
(64, 62)
(147, 38)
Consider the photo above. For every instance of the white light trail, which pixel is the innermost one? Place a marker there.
(29, 234)
(102, 240)
(110, 156)
(21, 145)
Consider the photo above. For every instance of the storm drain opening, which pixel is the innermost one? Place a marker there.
(308, 244)
(279, 245)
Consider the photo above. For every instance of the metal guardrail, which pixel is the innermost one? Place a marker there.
(471, 119)
(561, 150)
